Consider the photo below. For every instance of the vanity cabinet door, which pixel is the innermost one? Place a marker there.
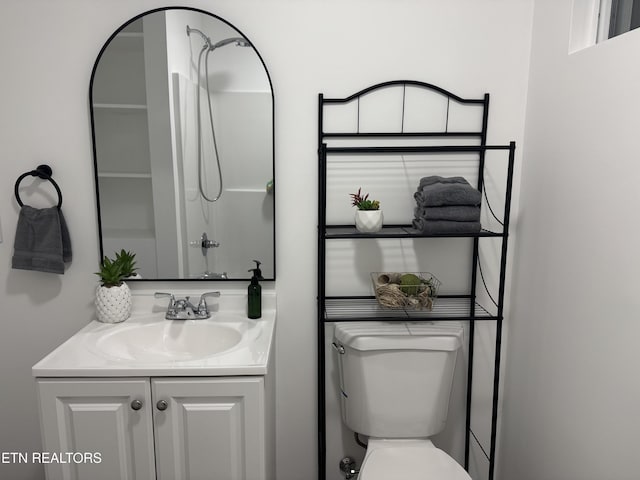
(210, 428)
(96, 429)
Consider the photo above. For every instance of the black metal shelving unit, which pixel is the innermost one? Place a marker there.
(459, 307)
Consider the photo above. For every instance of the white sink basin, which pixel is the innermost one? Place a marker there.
(227, 344)
(169, 340)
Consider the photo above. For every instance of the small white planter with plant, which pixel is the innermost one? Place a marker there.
(368, 218)
(113, 296)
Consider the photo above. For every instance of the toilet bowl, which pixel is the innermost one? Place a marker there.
(395, 383)
(408, 460)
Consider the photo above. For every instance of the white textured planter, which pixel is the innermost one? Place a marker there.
(368, 221)
(113, 304)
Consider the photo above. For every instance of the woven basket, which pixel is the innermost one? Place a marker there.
(390, 294)
(113, 304)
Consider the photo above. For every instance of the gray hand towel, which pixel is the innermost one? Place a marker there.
(443, 194)
(444, 227)
(66, 239)
(42, 240)
(424, 181)
(456, 213)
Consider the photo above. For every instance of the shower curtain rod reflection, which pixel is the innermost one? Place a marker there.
(207, 48)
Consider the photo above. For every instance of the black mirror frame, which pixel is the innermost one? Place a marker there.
(95, 155)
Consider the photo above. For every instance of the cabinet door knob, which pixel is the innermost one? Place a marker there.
(136, 405)
(162, 405)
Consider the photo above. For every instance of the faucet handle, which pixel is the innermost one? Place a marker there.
(202, 306)
(209, 294)
(172, 298)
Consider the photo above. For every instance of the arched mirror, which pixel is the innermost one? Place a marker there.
(182, 120)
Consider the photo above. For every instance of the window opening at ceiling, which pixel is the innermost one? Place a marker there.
(618, 17)
(594, 21)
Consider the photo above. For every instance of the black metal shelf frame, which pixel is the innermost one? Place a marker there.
(463, 307)
(397, 231)
(447, 308)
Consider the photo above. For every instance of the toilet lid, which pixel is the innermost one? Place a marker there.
(411, 463)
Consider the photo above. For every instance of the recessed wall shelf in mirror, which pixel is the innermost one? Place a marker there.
(183, 138)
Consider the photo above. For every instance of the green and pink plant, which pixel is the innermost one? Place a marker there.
(362, 202)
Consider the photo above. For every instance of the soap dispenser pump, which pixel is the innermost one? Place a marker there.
(254, 293)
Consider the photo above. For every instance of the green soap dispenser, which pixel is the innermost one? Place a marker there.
(254, 293)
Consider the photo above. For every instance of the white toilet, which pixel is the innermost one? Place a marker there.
(395, 382)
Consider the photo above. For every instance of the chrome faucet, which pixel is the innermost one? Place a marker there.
(209, 275)
(183, 309)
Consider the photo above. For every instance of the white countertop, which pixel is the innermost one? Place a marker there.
(80, 355)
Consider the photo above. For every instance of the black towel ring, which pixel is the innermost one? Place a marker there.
(44, 172)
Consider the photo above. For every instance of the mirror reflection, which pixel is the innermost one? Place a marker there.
(182, 117)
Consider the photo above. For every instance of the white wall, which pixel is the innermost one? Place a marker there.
(571, 391)
(311, 46)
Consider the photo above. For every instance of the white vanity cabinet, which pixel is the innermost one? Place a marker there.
(165, 428)
(96, 417)
(210, 428)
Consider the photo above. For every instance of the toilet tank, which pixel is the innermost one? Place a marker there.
(395, 378)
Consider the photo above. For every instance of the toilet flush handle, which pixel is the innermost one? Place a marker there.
(338, 348)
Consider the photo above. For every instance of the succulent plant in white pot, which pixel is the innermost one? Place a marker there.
(113, 296)
(368, 218)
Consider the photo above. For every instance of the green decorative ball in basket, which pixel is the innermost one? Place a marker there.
(405, 290)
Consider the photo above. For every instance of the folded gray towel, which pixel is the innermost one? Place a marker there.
(456, 213)
(424, 181)
(42, 240)
(444, 194)
(443, 227)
